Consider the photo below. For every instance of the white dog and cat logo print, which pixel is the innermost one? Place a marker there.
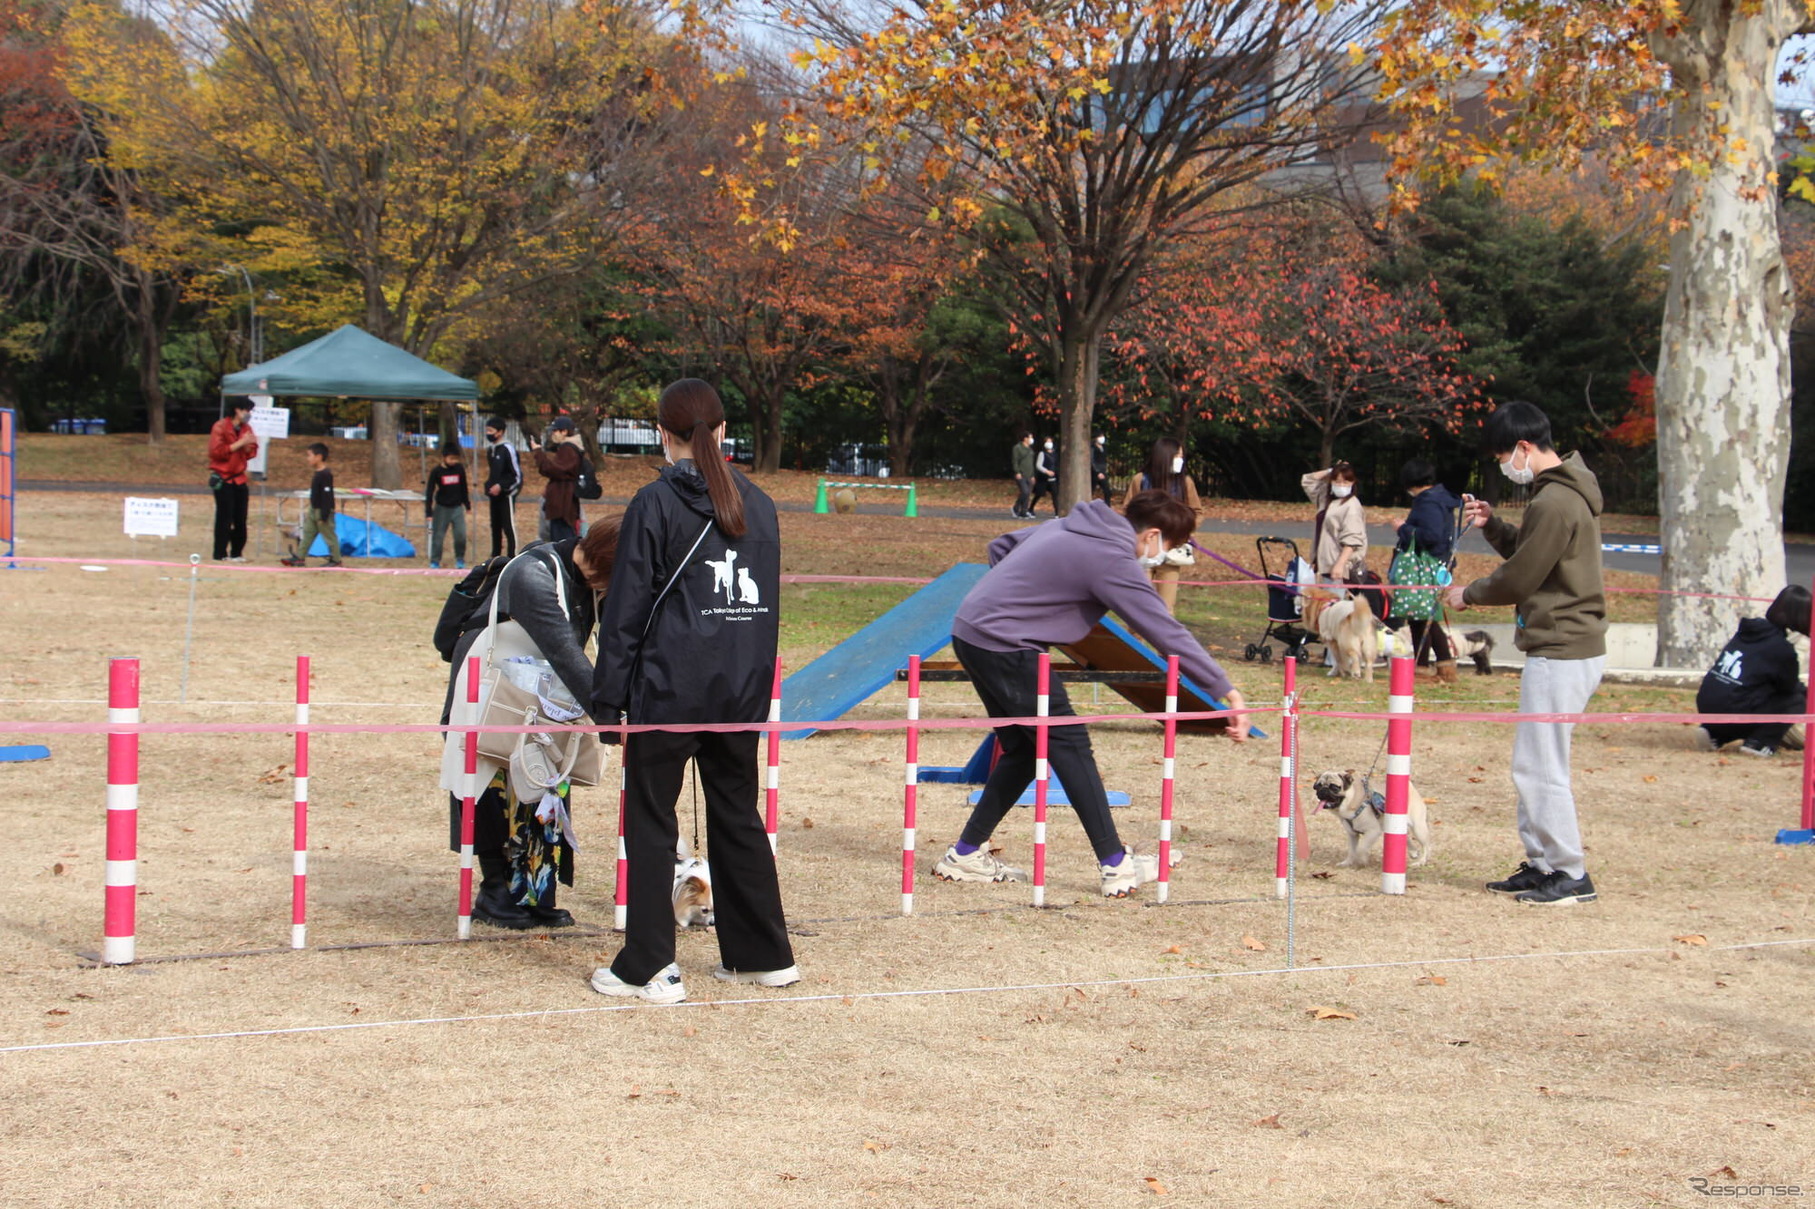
(742, 596)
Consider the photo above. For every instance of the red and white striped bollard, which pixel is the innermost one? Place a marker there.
(772, 789)
(120, 914)
(910, 795)
(620, 903)
(1400, 686)
(1170, 764)
(299, 839)
(469, 782)
(1042, 708)
(1288, 779)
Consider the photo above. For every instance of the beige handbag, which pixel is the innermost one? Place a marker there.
(574, 756)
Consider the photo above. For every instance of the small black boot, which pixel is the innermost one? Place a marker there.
(494, 904)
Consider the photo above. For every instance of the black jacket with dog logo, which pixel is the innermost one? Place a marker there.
(1755, 674)
(709, 653)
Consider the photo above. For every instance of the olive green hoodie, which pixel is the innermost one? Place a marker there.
(1552, 571)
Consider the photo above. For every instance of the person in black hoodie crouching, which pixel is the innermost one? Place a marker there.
(687, 635)
(1757, 674)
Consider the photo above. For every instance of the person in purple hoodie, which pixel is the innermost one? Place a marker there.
(1048, 586)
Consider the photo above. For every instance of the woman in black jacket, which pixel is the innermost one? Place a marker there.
(1757, 674)
(687, 634)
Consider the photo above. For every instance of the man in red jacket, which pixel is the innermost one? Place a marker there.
(231, 444)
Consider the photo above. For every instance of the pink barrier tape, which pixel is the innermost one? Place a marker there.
(424, 728)
(1584, 719)
(245, 568)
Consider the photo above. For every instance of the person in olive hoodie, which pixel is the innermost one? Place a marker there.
(687, 635)
(1552, 575)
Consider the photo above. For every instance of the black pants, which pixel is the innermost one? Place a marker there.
(504, 524)
(1045, 486)
(1006, 683)
(230, 501)
(1439, 647)
(1765, 734)
(746, 895)
(1024, 492)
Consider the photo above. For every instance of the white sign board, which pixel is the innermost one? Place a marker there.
(150, 518)
(270, 423)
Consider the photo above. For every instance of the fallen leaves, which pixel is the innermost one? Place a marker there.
(272, 776)
(875, 1147)
(1269, 1122)
(1431, 980)
(1691, 938)
(1154, 1186)
(1329, 1013)
(1256, 945)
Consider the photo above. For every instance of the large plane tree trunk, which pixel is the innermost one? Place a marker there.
(1723, 379)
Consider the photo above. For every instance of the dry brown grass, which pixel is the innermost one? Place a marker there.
(1606, 1078)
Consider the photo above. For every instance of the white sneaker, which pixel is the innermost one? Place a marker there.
(979, 866)
(665, 987)
(761, 978)
(1704, 740)
(1119, 881)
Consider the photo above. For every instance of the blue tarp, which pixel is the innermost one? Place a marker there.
(352, 533)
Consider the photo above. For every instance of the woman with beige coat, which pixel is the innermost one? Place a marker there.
(1340, 544)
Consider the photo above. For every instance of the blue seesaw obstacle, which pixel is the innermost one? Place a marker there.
(23, 754)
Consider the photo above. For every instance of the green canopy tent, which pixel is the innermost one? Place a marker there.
(352, 363)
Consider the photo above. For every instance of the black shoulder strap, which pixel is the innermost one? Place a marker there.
(673, 579)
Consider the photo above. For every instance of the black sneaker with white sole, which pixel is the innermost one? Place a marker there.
(1523, 878)
(1558, 889)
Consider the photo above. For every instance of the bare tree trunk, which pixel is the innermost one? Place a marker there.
(151, 360)
(1326, 449)
(387, 469)
(1077, 405)
(1723, 378)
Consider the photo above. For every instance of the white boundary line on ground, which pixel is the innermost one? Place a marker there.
(840, 998)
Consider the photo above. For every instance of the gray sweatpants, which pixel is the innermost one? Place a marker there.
(1540, 760)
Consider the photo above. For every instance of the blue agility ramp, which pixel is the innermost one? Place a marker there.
(1056, 795)
(21, 755)
(864, 664)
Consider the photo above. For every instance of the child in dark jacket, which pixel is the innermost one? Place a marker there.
(447, 502)
(1757, 674)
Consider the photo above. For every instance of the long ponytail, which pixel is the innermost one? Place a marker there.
(691, 410)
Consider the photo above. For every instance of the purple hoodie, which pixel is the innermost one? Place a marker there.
(1048, 585)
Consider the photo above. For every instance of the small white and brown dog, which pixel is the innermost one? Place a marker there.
(692, 889)
(1363, 816)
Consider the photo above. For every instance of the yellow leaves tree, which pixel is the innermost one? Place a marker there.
(1676, 95)
(407, 163)
(1102, 130)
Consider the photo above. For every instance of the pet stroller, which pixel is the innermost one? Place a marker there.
(1285, 607)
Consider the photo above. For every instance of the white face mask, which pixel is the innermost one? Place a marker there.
(1155, 559)
(1341, 491)
(1178, 465)
(1522, 475)
(1047, 447)
(1099, 442)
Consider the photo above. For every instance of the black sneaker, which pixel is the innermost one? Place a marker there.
(1523, 878)
(1558, 889)
(1761, 750)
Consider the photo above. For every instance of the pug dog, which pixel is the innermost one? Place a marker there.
(1363, 816)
